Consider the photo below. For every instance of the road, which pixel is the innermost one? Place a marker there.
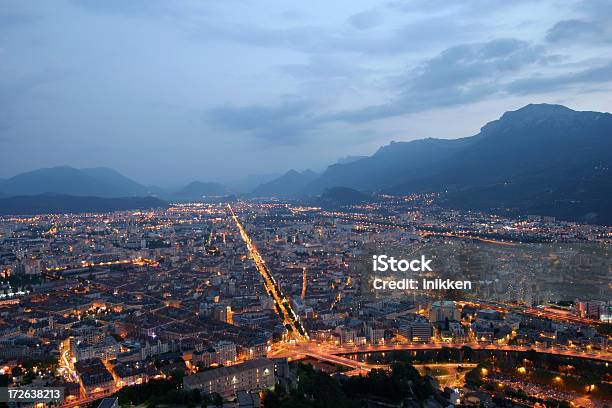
(454, 373)
(65, 364)
(282, 305)
(328, 352)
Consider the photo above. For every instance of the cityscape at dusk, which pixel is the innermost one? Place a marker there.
(99, 302)
(240, 204)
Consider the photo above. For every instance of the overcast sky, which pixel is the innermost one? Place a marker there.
(173, 91)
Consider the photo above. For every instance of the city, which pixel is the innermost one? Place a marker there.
(100, 302)
(321, 204)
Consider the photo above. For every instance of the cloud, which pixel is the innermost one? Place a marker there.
(9, 20)
(349, 64)
(590, 27)
(205, 25)
(580, 31)
(11, 92)
(135, 8)
(284, 123)
(325, 67)
(596, 9)
(311, 39)
(458, 75)
(366, 19)
(542, 84)
(464, 7)
(462, 65)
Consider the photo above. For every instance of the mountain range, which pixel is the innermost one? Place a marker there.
(540, 159)
(289, 184)
(99, 182)
(51, 203)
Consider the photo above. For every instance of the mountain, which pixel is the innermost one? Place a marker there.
(349, 159)
(197, 189)
(537, 141)
(99, 182)
(540, 159)
(341, 196)
(390, 164)
(286, 185)
(249, 183)
(59, 203)
(119, 181)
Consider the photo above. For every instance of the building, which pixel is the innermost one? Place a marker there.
(347, 336)
(421, 332)
(226, 352)
(224, 314)
(593, 309)
(128, 374)
(253, 375)
(94, 378)
(254, 348)
(376, 335)
(442, 311)
(107, 349)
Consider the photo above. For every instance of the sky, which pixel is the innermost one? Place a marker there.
(168, 92)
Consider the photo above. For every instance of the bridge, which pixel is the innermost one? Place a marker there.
(331, 353)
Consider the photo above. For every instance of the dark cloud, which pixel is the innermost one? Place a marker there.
(366, 19)
(458, 75)
(463, 65)
(542, 83)
(580, 31)
(284, 123)
(591, 27)
(596, 9)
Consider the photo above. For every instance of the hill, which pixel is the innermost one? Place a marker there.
(99, 182)
(58, 203)
(288, 184)
(342, 196)
(250, 182)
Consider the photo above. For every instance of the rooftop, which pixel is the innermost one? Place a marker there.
(226, 371)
